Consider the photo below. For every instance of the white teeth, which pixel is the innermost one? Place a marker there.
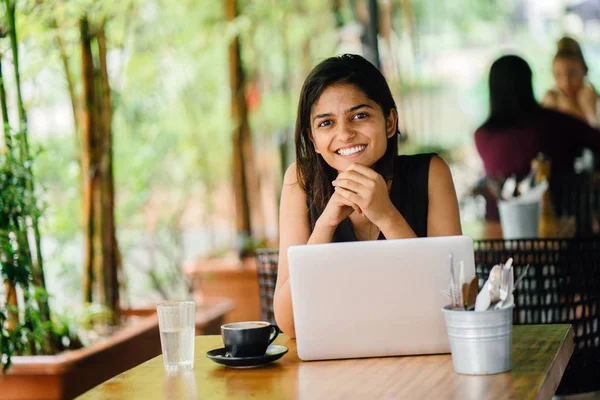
(351, 150)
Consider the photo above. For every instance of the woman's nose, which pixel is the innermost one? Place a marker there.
(345, 132)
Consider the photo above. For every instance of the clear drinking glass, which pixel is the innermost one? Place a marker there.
(176, 323)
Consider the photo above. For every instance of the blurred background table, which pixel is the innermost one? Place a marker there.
(565, 228)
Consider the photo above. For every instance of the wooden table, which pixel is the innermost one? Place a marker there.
(540, 356)
(565, 228)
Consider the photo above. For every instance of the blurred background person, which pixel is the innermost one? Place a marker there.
(573, 94)
(518, 129)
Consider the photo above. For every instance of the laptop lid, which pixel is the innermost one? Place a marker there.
(373, 298)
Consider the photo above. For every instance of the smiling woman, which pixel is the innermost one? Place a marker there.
(348, 182)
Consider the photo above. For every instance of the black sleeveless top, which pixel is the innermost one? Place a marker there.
(409, 194)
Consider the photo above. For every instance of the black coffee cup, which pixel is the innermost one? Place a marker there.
(248, 339)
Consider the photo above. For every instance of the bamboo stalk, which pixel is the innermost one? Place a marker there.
(37, 268)
(62, 47)
(86, 161)
(111, 264)
(64, 57)
(4, 108)
(238, 114)
(97, 165)
(11, 300)
(12, 31)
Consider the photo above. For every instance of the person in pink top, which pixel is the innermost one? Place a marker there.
(518, 129)
(573, 94)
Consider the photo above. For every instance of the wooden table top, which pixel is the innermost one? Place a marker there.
(565, 228)
(540, 356)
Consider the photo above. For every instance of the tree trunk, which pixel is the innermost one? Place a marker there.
(102, 259)
(371, 44)
(64, 57)
(407, 10)
(97, 166)
(111, 250)
(239, 114)
(71, 88)
(87, 161)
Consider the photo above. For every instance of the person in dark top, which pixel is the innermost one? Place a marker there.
(518, 129)
(348, 183)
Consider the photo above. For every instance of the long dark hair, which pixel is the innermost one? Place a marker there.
(511, 92)
(313, 173)
(569, 49)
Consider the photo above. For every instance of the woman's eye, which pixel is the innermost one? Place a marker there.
(325, 123)
(360, 116)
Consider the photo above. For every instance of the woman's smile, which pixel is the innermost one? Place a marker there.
(351, 152)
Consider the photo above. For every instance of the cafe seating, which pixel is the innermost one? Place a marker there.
(578, 196)
(267, 261)
(562, 286)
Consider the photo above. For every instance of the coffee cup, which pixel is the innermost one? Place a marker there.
(248, 339)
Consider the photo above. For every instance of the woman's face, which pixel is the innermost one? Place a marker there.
(568, 75)
(347, 127)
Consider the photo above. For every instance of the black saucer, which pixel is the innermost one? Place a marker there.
(274, 352)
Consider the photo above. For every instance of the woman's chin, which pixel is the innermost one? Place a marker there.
(343, 164)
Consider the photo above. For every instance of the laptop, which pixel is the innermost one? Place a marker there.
(373, 298)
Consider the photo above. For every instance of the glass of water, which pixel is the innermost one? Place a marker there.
(176, 323)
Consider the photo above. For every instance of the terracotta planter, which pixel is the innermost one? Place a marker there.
(210, 314)
(230, 278)
(71, 373)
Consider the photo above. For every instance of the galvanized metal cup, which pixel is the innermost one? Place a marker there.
(481, 342)
(519, 220)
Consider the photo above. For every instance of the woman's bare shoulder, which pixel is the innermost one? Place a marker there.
(291, 174)
(550, 98)
(292, 189)
(439, 167)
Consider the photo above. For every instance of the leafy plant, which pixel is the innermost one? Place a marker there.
(246, 246)
(25, 329)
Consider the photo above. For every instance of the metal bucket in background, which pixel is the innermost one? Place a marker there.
(519, 220)
(480, 342)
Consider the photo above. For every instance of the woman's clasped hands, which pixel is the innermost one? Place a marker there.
(366, 190)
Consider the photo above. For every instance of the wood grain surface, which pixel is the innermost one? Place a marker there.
(540, 356)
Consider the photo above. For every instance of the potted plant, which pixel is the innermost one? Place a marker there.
(41, 353)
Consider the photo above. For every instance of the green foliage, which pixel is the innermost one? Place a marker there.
(246, 246)
(8, 341)
(168, 66)
(29, 333)
(412, 147)
(16, 205)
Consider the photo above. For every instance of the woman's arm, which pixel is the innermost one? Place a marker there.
(443, 217)
(368, 190)
(293, 229)
(549, 100)
(587, 99)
